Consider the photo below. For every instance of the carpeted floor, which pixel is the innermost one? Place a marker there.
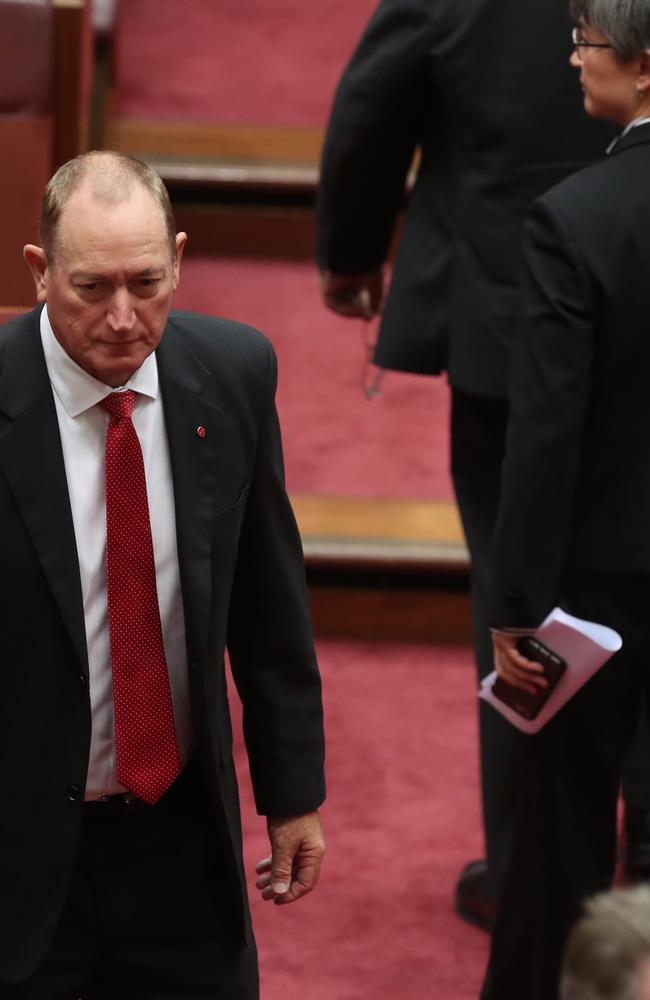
(254, 62)
(336, 441)
(401, 819)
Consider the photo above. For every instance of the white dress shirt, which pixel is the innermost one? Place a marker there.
(82, 425)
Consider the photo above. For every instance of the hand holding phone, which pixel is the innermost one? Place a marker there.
(526, 703)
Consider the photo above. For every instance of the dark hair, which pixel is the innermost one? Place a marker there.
(113, 175)
(624, 23)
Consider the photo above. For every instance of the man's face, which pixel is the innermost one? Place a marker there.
(109, 291)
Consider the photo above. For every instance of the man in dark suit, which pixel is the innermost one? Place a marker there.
(484, 90)
(120, 840)
(573, 521)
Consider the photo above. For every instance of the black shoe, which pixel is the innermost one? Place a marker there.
(474, 903)
(636, 853)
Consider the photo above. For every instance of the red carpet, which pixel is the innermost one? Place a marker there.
(336, 441)
(257, 62)
(401, 819)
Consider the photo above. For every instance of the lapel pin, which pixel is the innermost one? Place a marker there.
(200, 431)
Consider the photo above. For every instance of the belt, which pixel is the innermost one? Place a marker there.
(113, 806)
(185, 795)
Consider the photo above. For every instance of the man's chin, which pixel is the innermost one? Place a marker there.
(115, 371)
(114, 364)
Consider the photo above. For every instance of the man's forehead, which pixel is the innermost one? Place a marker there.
(94, 225)
(90, 202)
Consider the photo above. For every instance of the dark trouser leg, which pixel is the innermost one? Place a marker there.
(150, 915)
(70, 965)
(564, 847)
(478, 427)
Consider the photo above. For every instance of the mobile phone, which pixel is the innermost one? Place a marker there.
(525, 703)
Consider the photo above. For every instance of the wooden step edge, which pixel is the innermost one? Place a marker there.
(384, 554)
(236, 176)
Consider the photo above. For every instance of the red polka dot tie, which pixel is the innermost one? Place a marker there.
(145, 737)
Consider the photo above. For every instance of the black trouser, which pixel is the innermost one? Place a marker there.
(478, 430)
(564, 845)
(149, 915)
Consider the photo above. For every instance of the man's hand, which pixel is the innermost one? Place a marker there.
(353, 294)
(515, 668)
(297, 847)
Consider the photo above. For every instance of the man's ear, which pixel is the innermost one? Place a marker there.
(643, 74)
(37, 264)
(181, 240)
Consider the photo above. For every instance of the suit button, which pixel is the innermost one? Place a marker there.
(82, 678)
(73, 792)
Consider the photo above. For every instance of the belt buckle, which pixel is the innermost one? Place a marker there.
(130, 804)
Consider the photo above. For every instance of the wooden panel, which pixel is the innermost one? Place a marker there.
(391, 615)
(196, 140)
(247, 231)
(24, 170)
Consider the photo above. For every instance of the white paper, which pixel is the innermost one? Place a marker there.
(585, 646)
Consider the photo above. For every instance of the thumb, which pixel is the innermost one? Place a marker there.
(281, 868)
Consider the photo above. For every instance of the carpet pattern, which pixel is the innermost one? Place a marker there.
(402, 817)
(257, 62)
(336, 441)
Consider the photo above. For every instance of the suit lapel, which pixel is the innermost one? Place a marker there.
(32, 461)
(193, 432)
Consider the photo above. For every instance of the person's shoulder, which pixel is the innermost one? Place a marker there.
(613, 176)
(587, 194)
(15, 323)
(14, 330)
(574, 185)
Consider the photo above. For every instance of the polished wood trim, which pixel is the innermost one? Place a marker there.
(71, 58)
(381, 532)
(196, 140)
(378, 517)
(236, 175)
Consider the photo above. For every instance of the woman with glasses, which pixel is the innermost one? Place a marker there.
(574, 519)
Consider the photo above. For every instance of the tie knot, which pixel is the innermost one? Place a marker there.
(119, 404)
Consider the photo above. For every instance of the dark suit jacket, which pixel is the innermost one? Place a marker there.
(486, 90)
(576, 481)
(243, 586)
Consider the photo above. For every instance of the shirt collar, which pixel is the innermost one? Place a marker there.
(76, 388)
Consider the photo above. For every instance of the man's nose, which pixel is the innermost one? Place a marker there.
(121, 315)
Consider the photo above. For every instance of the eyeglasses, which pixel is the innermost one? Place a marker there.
(580, 44)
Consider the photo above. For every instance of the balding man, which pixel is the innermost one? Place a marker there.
(144, 528)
